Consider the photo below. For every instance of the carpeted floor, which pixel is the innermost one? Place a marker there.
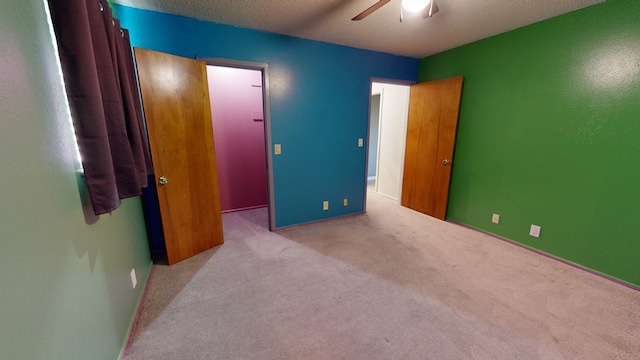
(388, 284)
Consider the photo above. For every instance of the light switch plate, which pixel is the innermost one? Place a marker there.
(360, 142)
(325, 205)
(495, 219)
(277, 149)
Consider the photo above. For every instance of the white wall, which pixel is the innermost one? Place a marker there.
(394, 110)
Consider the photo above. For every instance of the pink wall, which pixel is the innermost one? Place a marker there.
(238, 128)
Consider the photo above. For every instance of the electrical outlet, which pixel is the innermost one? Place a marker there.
(535, 231)
(360, 142)
(345, 202)
(325, 205)
(134, 278)
(277, 149)
(495, 219)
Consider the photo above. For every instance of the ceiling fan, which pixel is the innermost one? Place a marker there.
(427, 7)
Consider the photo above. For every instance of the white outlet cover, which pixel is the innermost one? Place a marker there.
(535, 231)
(360, 142)
(495, 219)
(134, 279)
(345, 202)
(325, 205)
(277, 149)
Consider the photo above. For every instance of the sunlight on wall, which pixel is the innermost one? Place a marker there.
(64, 87)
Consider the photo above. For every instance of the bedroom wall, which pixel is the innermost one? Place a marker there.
(548, 135)
(64, 275)
(319, 101)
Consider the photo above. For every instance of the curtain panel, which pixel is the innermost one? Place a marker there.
(100, 80)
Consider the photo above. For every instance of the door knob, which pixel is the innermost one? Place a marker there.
(163, 180)
(446, 162)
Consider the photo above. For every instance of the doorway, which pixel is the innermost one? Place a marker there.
(238, 129)
(416, 135)
(239, 95)
(389, 110)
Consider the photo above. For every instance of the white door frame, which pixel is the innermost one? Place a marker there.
(403, 130)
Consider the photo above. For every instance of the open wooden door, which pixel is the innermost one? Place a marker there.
(175, 97)
(431, 133)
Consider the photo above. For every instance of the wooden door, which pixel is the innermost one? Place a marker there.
(175, 97)
(431, 133)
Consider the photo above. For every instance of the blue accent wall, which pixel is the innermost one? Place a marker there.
(319, 97)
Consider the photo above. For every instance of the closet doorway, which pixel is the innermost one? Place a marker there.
(238, 93)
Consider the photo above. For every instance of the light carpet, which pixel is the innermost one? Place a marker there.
(388, 284)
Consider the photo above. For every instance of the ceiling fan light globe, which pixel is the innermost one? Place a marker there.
(415, 6)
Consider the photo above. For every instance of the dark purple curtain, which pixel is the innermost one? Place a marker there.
(103, 95)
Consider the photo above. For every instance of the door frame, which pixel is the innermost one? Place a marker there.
(390, 82)
(264, 69)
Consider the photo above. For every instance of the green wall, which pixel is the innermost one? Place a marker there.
(549, 135)
(64, 279)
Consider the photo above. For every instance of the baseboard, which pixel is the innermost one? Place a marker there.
(245, 208)
(553, 257)
(136, 316)
(337, 217)
(388, 197)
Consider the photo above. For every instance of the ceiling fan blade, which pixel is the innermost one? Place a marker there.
(431, 9)
(370, 10)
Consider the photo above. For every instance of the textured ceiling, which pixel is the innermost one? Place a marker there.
(459, 22)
